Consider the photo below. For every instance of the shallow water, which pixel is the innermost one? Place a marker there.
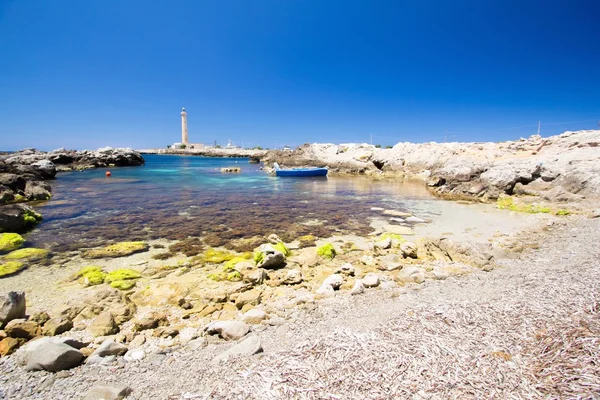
(174, 197)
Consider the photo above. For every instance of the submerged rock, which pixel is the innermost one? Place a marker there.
(10, 242)
(121, 249)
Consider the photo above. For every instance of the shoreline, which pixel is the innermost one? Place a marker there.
(301, 322)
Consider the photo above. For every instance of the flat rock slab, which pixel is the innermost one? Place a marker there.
(113, 392)
(246, 347)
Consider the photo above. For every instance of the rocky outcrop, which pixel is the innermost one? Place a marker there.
(560, 168)
(49, 354)
(23, 175)
(18, 218)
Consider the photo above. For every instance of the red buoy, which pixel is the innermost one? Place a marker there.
(108, 174)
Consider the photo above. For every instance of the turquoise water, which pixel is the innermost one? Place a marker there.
(175, 197)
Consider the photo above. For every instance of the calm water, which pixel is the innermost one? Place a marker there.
(175, 197)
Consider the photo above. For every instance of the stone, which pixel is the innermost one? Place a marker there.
(188, 334)
(268, 257)
(110, 348)
(409, 249)
(134, 355)
(478, 255)
(165, 332)
(346, 269)
(228, 330)
(197, 344)
(293, 277)
(21, 328)
(150, 321)
(256, 277)
(12, 306)
(98, 300)
(439, 274)
(103, 325)
(274, 239)
(56, 326)
(9, 345)
(108, 392)
(358, 288)
(307, 258)
(18, 218)
(383, 244)
(397, 213)
(367, 260)
(595, 213)
(370, 280)
(252, 297)
(254, 316)
(390, 262)
(416, 220)
(40, 317)
(248, 346)
(335, 281)
(48, 354)
(137, 341)
(412, 274)
(324, 291)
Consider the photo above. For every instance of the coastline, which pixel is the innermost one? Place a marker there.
(169, 303)
(209, 152)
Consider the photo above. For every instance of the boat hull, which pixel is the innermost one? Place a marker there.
(302, 172)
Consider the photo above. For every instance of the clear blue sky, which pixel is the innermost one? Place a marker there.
(86, 74)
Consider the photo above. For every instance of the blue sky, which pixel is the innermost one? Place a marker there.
(86, 74)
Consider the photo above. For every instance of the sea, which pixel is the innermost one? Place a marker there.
(175, 197)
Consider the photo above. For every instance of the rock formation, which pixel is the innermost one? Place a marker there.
(561, 168)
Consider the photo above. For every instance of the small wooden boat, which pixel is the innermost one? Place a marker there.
(300, 172)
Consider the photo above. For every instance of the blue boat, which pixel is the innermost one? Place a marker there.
(300, 172)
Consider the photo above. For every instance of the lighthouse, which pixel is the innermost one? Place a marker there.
(184, 132)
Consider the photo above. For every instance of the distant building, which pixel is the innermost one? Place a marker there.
(184, 130)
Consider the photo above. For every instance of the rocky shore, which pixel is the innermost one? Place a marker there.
(309, 319)
(562, 169)
(384, 315)
(23, 175)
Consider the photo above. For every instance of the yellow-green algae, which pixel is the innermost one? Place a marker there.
(121, 249)
(93, 274)
(123, 285)
(508, 203)
(233, 276)
(327, 251)
(10, 268)
(396, 238)
(229, 265)
(30, 254)
(215, 256)
(282, 248)
(121, 275)
(258, 256)
(10, 242)
(31, 217)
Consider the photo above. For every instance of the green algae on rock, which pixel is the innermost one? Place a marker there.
(10, 268)
(230, 265)
(91, 275)
(282, 248)
(121, 249)
(29, 254)
(32, 218)
(215, 256)
(327, 251)
(123, 285)
(121, 275)
(508, 203)
(397, 239)
(10, 242)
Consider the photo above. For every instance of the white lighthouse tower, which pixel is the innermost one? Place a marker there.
(184, 131)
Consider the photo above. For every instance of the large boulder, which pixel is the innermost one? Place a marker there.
(49, 354)
(18, 218)
(12, 306)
